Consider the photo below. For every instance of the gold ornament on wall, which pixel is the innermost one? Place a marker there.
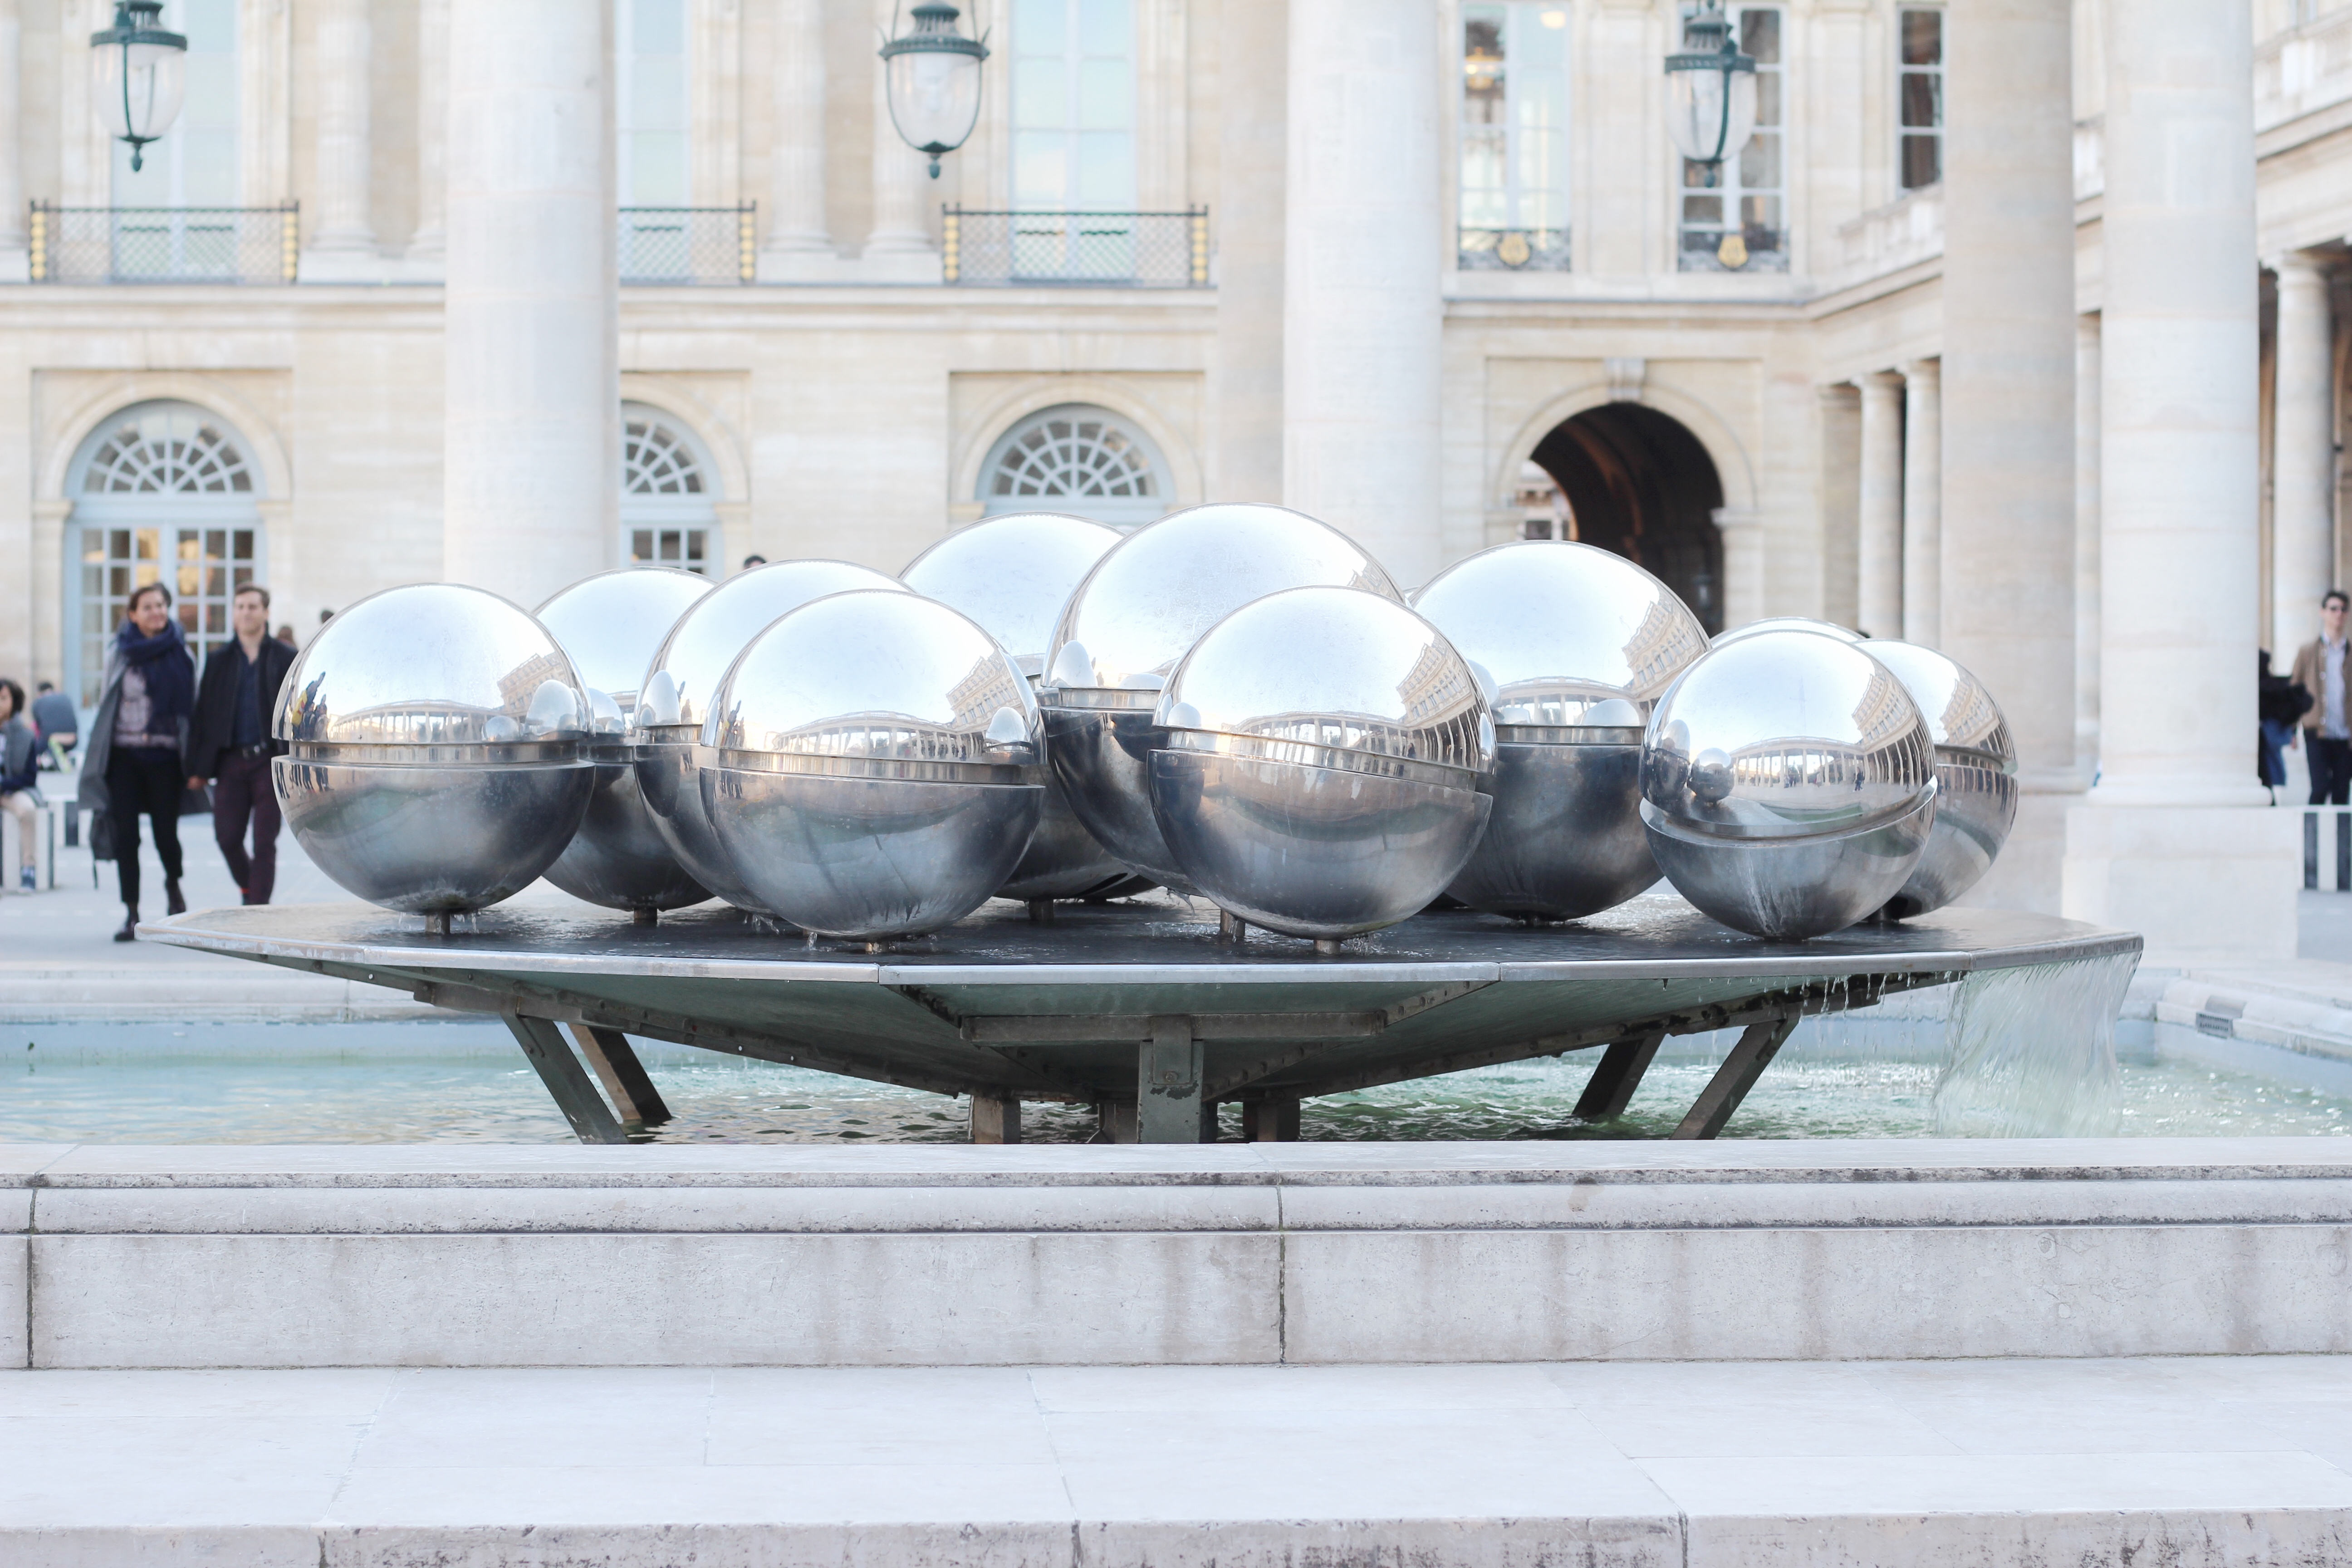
(1733, 251)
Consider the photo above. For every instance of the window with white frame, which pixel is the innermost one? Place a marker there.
(1919, 76)
(650, 103)
(196, 164)
(163, 492)
(670, 515)
(1076, 457)
(1072, 109)
(1734, 214)
(1514, 170)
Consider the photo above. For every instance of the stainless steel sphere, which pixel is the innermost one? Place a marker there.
(1976, 776)
(1788, 784)
(1321, 764)
(1789, 624)
(433, 738)
(609, 626)
(876, 765)
(1013, 573)
(1579, 643)
(1134, 617)
(674, 699)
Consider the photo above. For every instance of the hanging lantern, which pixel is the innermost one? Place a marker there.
(932, 76)
(139, 73)
(1710, 90)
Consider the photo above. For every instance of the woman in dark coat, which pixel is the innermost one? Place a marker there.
(137, 745)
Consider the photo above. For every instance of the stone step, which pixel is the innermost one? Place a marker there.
(1689, 1465)
(455, 1254)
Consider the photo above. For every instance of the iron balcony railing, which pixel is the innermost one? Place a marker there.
(1512, 249)
(1125, 251)
(164, 244)
(688, 245)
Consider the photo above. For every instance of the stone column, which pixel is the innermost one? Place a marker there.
(2007, 611)
(345, 225)
(796, 226)
(1841, 493)
(2175, 841)
(1361, 313)
(1880, 548)
(2086, 545)
(1743, 564)
(899, 249)
(2302, 458)
(1923, 501)
(432, 237)
(532, 389)
(1245, 375)
(12, 148)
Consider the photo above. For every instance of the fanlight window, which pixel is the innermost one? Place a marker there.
(166, 451)
(656, 461)
(1076, 459)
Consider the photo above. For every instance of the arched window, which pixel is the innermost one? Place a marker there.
(163, 492)
(1077, 459)
(667, 491)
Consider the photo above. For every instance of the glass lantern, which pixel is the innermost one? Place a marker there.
(1710, 90)
(932, 76)
(139, 72)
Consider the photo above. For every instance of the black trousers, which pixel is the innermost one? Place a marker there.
(151, 782)
(2331, 770)
(243, 790)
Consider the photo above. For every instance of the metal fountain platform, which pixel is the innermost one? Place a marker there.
(1145, 1008)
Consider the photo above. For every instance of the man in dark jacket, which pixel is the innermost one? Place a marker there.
(229, 743)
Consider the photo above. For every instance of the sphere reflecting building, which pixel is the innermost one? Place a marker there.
(674, 699)
(433, 738)
(1976, 776)
(1013, 573)
(1578, 642)
(609, 626)
(1788, 784)
(875, 766)
(1319, 773)
(1136, 615)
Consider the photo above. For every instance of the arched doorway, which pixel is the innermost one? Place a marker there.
(163, 492)
(670, 515)
(1638, 482)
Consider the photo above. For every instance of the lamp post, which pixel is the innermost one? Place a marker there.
(932, 74)
(139, 73)
(1710, 90)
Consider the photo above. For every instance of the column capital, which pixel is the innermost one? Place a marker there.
(1887, 380)
(1922, 369)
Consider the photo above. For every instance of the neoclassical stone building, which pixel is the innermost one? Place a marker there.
(1431, 268)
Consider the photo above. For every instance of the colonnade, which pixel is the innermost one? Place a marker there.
(1899, 541)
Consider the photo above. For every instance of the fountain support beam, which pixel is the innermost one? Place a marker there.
(1758, 1044)
(624, 1076)
(1610, 1088)
(568, 1083)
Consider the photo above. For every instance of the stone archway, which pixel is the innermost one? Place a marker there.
(1640, 483)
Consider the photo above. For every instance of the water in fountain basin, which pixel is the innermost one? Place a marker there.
(2033, 1051)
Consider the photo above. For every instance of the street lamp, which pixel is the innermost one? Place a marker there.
(1710, 90)
(139, 72)
(932, 74)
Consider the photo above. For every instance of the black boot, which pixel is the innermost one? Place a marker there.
(172, 903)
(130, 931)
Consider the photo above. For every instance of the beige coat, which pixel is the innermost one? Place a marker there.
(2309, 675)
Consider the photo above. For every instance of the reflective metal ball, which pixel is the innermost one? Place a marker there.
(1976, 776)
(1322, 756)
(1789, 624)
(1788, 784)
(434, 741)
(1013, 573)
(875, 766)
(674, 699)
(609, 626)
(1134, 617)
(1578, 642)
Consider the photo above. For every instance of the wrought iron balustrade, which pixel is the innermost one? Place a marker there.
(1124, 251)
(688, 245)
(164, 244)
(1511, 249)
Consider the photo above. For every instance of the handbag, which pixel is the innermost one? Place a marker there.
(102, 836)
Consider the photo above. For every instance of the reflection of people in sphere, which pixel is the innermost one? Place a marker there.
(751, 561)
